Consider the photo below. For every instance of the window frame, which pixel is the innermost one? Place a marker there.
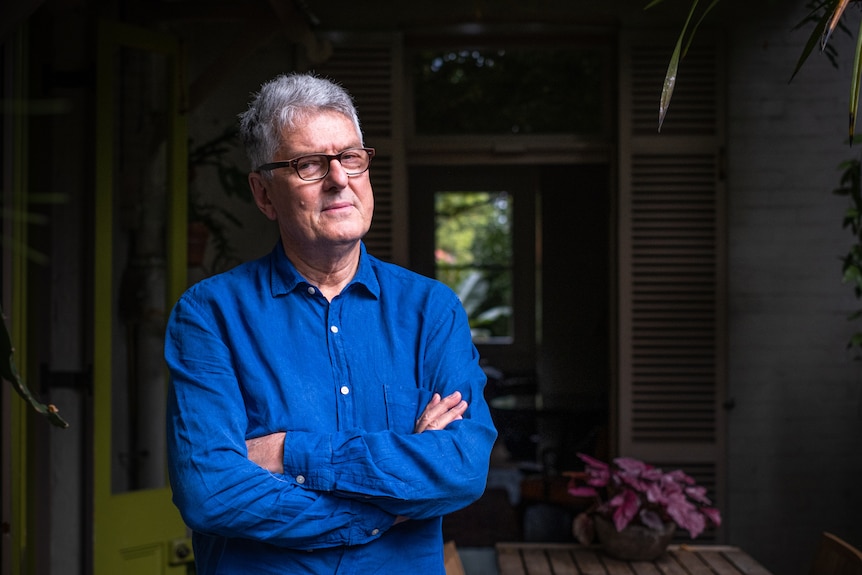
(487, 147)
(522, 184)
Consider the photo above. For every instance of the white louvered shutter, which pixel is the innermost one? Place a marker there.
(369, 68)
(672, 262)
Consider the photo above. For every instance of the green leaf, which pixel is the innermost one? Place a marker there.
(813, 41)
(673, 67)
(854, 85)
(669, 83)
(653, 3)
(852, 274)
(855, 341)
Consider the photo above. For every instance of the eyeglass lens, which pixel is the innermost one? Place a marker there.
(316, 166)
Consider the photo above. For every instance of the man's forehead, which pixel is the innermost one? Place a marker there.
(327, 128)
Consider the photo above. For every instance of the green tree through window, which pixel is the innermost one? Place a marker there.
(473, 255)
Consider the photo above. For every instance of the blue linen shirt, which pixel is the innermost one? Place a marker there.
(258, 350)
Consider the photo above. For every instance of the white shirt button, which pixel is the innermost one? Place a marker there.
(375, 531)
(345, 390)
(311, 290)
(333, 328)
(300, 479)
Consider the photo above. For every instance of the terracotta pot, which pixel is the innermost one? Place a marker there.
(635, 542)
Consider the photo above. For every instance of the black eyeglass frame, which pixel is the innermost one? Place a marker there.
(329, 157)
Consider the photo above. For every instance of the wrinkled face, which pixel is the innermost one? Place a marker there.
(325, 213)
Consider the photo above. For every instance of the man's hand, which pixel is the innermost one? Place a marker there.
(268, 451)
(441, 412)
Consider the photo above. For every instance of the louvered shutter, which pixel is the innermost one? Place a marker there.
(672, 262)
(367, 67)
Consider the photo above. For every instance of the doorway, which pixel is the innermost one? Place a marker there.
(550, 377)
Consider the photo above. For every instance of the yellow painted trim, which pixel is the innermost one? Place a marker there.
(102, 238)
(178, 178)
(21, 464)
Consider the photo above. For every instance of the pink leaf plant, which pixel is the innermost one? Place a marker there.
(629, 491)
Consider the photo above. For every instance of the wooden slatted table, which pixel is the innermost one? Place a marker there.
(571, 559)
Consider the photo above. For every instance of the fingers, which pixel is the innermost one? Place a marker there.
(267, 451)
(440, 412)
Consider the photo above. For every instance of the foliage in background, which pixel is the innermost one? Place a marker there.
(826, 16)
(214, 154)
(474, 256)
(851, 187)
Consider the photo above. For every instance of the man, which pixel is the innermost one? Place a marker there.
(326, 408)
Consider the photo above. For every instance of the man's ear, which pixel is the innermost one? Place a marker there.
(260, 190)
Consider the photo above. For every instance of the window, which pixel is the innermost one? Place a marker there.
(473, 256)
(512, 90)
(473, 228)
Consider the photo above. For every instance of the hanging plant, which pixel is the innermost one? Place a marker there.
(825, 15)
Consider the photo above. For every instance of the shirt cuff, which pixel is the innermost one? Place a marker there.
(308, 460)
(371, 522)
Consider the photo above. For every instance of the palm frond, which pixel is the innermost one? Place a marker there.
(854, 84)
(837, 12)
(673, 67)
(813, 40)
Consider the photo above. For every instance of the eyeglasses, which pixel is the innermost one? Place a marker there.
(316, 166)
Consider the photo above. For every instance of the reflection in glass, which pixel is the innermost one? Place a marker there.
(473, 254)
(139, 271)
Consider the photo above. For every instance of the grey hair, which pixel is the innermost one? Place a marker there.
(282, 102)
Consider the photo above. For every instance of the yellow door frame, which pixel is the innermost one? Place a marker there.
(20, 553)
(119, 518)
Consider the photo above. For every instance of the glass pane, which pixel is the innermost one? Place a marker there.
(139, 259)
(509, 91)
(473, 255)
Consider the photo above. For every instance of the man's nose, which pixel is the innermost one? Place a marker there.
(337, 174)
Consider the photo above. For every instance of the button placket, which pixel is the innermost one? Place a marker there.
(341, 374)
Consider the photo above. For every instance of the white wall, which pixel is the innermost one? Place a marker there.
(795, 434)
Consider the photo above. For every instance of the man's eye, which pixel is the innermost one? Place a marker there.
(308, 164)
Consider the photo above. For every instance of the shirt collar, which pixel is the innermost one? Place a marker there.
(284, 278)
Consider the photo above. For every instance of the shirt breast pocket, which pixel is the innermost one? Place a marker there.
(404, 404)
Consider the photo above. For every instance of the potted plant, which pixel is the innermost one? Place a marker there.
(637, 507)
